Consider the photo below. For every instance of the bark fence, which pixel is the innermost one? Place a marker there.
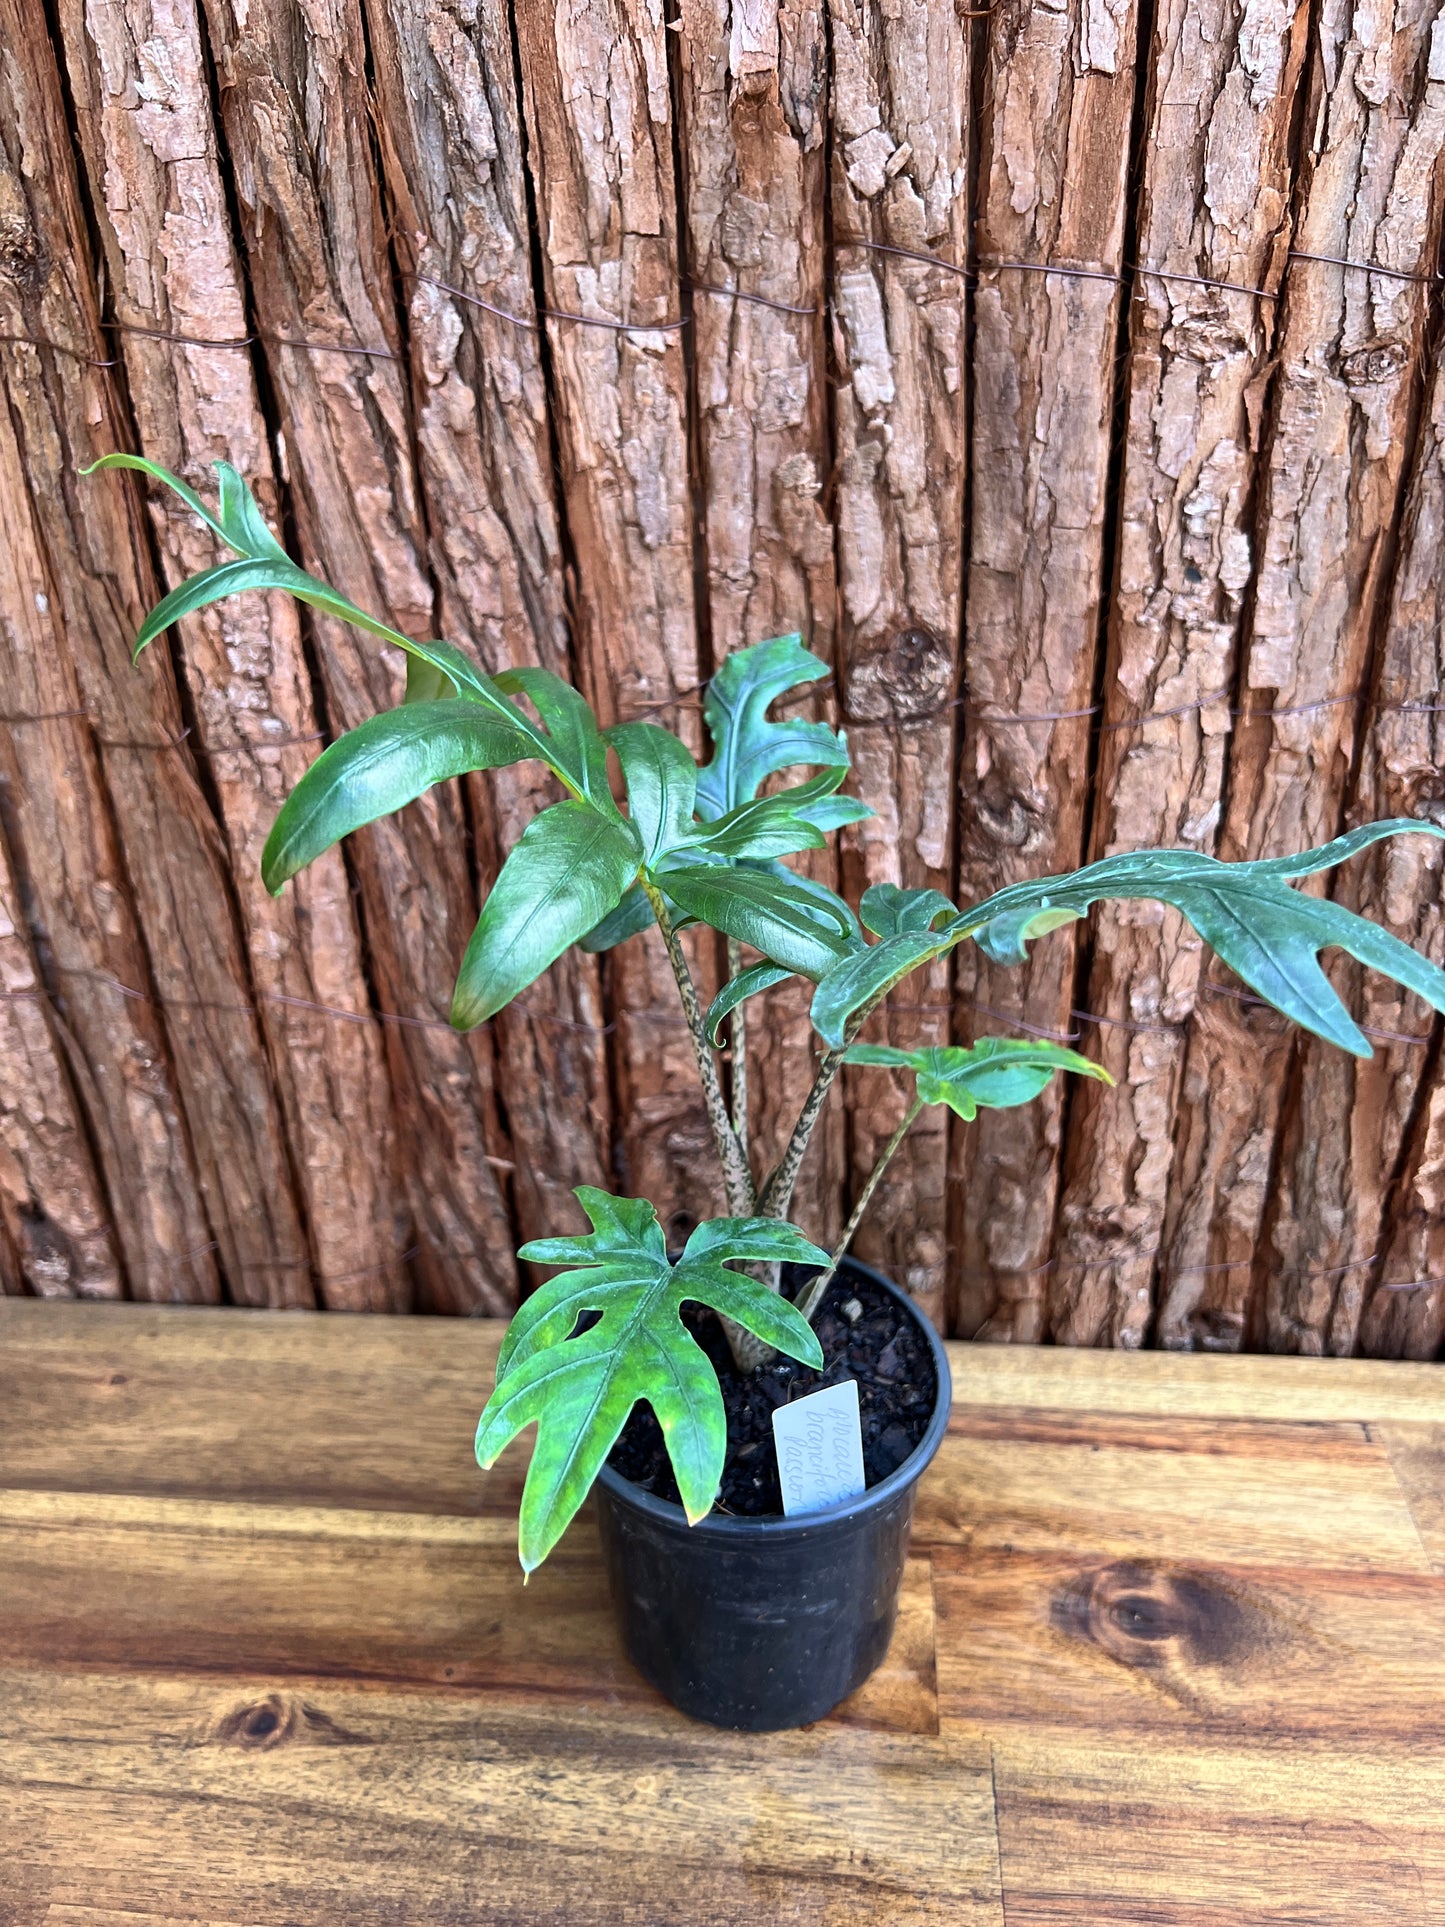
(1068, 374)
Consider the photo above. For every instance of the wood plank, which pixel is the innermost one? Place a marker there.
(1205, 1386)
(1168, 1645)
(172, 1402)
(1190, 1650)
(1215, 205)
(149, 147)
(1059, 93)
(458, 1808)
(120, 1583)
(1245, 1493)
(1417, 1452)
(1094, 1830)
(1351, 353)
(295, 116)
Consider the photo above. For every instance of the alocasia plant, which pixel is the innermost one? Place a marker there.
(701, 845)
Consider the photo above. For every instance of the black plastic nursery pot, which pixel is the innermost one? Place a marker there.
(765, 1623)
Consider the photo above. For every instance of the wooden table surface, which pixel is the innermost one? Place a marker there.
(1171, 1651)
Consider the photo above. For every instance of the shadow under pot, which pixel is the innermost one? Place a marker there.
(768, 1622)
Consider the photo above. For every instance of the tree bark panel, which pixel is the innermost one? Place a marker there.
(600, 147)
(900, 179)
(1350, 360)
(451, 135)
(1343, 1246)
(149, 147)
(55, 1236)
(1214, 204)
(91, 583)
(296, 116)
(1055, 146)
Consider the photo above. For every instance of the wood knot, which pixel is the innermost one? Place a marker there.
(1154, 1616)
(1380, 362)
(261, 1725)
(907, 678)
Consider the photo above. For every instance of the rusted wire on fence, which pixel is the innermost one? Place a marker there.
(1068, 270)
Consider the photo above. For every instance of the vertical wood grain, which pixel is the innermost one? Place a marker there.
(450, 128)
(751, 82)
(626, 504)
(1214, 203)
(149, 145)
(1333, 1263)
(84, 551)
(54, 1222)
(901, 88)
(600, 135)
(297, 128)
(1055, 145)
(1350, 353)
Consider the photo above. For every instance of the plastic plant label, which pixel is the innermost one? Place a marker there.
(819, 1442)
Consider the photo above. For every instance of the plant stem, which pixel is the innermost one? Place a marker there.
(737, 1178)
(740, 1052)
(809, 1300)
(777, 1193)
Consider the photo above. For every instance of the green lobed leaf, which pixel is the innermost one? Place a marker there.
(579, 1388)
(789, 924)
(147, 467)
(748, 1241)
(377, 768)
(996, 1074)
(737, 990)
(775, 825)
(632, 916)
(748, 746)
(242, 523)
(425, 683)
(620, 1227)
(890, 912)
(576, 747)
(1269, 934)
(435, 670)
(834, 812)
(661, 780)
(569, 867)
(866, 976)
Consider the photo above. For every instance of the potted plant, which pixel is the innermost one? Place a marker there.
(652, 1374)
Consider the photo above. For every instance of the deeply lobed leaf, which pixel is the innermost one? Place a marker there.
(995, 1074)
(580, 1388)
(1269, 934)
(749, 747)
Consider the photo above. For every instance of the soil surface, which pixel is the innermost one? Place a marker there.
(865, 1334)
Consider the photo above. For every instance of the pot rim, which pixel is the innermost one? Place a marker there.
(732, 1526)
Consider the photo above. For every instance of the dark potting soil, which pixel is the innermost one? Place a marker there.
(865, 1334)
